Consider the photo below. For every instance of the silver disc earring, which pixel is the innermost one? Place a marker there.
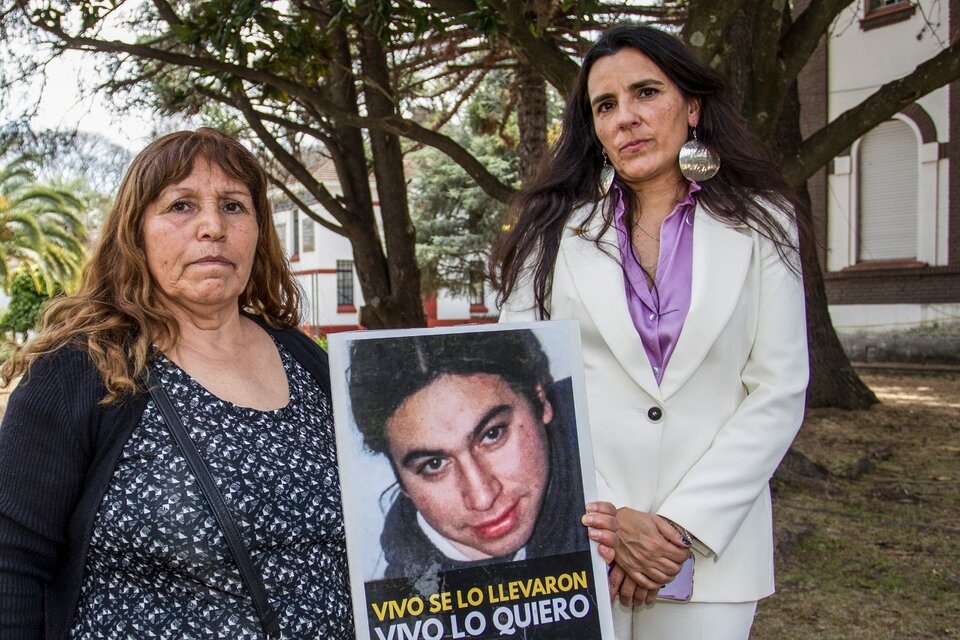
(606, 176)
(698, 162)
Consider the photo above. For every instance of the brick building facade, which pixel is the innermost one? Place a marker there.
(887, 210)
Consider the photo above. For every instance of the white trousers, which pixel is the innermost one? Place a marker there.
(684, 621)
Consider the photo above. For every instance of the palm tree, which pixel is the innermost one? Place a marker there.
(40, 229)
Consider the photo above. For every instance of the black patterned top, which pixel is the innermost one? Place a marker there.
(158, 565)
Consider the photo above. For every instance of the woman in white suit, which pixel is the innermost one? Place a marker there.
(661, 225)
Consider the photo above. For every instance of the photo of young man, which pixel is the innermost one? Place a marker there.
(483, 446)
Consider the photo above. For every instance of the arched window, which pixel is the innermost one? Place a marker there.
(888, 193)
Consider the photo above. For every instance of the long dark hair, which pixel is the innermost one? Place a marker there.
(747, 186)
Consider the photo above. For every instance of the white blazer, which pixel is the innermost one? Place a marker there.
(730, 402)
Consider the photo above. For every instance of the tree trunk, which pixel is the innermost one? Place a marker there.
(531, 118)
(833, 381)
(403, 306)
(389, 301)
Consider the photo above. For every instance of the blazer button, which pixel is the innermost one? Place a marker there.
(655, 414)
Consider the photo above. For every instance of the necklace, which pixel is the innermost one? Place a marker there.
(647, 233)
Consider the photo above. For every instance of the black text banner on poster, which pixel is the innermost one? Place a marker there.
(545, 598)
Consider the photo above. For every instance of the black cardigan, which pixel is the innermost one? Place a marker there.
(58, 451)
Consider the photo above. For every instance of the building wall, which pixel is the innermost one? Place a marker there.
(316, 271)
(924, 287)
(316, 268)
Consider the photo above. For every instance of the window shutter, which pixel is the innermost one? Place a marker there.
(888, 193)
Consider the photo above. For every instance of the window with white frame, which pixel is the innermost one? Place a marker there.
(888, 193)
(306, 234)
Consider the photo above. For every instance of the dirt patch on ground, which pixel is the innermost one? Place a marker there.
(868, 519)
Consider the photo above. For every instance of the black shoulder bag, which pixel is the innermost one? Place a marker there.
(248, 572)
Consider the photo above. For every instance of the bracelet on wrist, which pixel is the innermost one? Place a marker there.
(684, 535)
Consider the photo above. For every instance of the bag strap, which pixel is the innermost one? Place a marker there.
(251, 576)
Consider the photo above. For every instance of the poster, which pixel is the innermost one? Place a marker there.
(465, 464)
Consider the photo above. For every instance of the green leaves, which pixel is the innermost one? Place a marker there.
(456, 221)
(28, 294)
(41, 229)
(92, 12)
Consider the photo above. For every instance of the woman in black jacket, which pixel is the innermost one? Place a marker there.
(105, 531)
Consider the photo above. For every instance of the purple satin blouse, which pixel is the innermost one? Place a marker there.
(659, 314)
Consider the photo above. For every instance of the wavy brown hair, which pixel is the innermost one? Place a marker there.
(115, 315)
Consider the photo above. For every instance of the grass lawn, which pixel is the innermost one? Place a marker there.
(870, 534)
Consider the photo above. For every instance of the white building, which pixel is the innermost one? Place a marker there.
(323, 264)
(891, 202)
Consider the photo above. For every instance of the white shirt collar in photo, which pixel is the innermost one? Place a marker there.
(448, 549)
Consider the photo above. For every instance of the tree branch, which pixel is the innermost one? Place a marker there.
(542, 52)
(484, 179)
(705, 26)
(303, 206)
(291, 163)
(801, 39)
(825, 144)
(286, 123)
(167, 13)
(465, 94)
(556, 66)
(392, 124)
